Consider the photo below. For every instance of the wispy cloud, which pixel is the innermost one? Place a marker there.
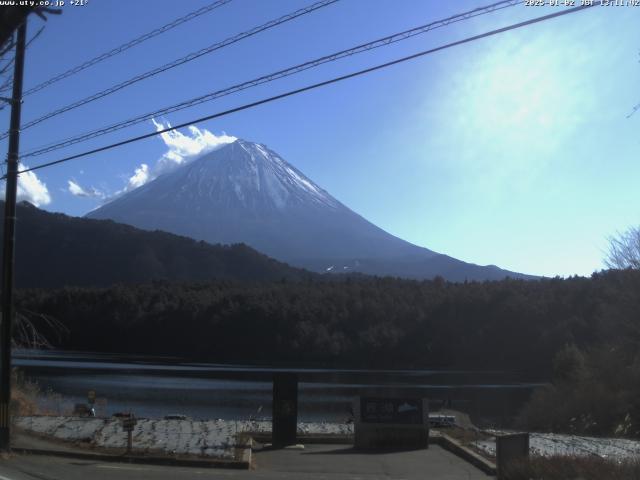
(139, 178)
(181, 148)
(30, 188)
(75, 189)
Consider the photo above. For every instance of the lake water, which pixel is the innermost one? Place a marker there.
(154, 387)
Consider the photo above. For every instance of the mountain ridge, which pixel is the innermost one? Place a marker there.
(54, 250)
(245, 192)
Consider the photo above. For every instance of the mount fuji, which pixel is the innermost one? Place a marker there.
(244, 192)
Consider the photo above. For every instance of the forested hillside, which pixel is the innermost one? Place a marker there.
(54, 250)
(383, 322)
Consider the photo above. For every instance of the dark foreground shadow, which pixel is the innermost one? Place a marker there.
(350, 450)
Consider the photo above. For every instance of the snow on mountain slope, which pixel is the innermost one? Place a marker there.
(244, 192)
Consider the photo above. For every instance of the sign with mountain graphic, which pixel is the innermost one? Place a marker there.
(391, 410)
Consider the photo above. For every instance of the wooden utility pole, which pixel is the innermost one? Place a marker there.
(6, 322)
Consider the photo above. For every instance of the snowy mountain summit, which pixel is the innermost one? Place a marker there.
(244, 192)
(253, 177)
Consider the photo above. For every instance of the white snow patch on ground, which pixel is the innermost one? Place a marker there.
(68, 428)
(304, 428)
(211, 438)
(548, 444)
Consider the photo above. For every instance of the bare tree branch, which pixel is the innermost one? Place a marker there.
(27, 335)
(624, 250)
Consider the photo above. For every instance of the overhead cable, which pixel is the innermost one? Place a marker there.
(315, 86)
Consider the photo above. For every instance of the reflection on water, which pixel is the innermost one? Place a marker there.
(154, 387)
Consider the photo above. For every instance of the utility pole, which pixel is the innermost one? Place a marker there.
(6, 321)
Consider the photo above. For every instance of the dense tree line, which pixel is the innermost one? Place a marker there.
(384, 322)
(595, 391)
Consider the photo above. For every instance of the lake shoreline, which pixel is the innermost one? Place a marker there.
(203, 391)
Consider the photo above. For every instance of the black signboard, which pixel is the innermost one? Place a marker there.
(391, 410)
(285, 409)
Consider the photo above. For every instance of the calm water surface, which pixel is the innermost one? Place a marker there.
(154, 387)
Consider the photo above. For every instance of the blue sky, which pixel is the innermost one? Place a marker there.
(514, 150)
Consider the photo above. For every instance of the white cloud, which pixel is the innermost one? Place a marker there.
(139, 178)
(75, 189)
(30, 188)
(181, 148)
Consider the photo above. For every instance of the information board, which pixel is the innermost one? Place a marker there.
(405, 411)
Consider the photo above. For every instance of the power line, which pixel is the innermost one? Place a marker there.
(8, 84)
(126, 46)
(180, 61)
(316, 85)
(10, 81)
(275, 76)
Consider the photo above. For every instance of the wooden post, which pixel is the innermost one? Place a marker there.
(129, 441)
(128, 424)
(9, 241)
